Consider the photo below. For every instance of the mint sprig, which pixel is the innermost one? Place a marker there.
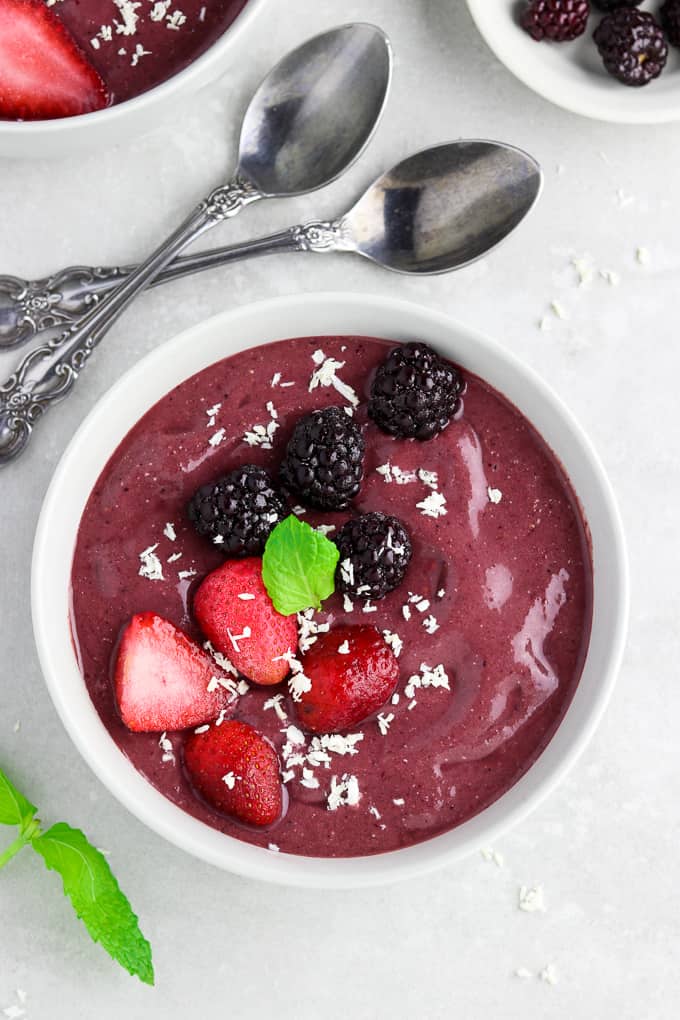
(298, 566)
(87, 878)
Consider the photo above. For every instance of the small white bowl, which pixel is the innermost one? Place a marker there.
(176, 360)
(571, 74)
(52, 138)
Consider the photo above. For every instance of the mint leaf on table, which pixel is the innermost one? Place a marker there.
(96, 897)
(298, 566)
(88, 881)
(14, 808)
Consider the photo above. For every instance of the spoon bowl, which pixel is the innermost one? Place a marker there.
(444, 207)
(302, 130)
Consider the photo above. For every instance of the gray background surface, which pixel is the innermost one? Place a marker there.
(605, 844)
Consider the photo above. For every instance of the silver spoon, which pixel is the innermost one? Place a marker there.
(433, 212)
(308, 121)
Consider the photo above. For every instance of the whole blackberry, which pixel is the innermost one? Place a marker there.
(670, 19)
(238, 511)
(324, 461)
(613, 5)
(559, 20)
(632, 46)
(414, 393)
(375, 551)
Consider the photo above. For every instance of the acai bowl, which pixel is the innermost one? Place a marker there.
(83, 73)
(460, 744)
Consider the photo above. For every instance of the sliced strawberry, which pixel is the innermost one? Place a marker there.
(43, 73)
(353, 672)
(234, 611)
(162, 678)
(237, 771)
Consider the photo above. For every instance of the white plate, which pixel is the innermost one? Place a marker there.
(571, 74)
(176, 360)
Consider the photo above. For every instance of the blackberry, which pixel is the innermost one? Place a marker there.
(375, 551)
(238, 511)
(559, 20)
(670, 19)
(324, 461)
(613, 5)
(414, 393)
(632, 46)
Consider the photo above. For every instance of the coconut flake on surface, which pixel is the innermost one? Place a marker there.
(549, 974)
(384, 722)
(165, 745)
(221, 660)
(309, 629)
(427, 677)
(263, 435)
(492, 855)
(524, 973)
(434, 505)
(531, 899)
(235, 638)
(276, 703)
(394, 641)
(343, 793)
(151, 567)
(325, 374)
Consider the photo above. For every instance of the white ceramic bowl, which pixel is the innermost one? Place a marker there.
(170, 364)
(51, 138)
(571, 74)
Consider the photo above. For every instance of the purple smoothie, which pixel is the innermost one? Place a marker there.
(137, 45)
(506, 571)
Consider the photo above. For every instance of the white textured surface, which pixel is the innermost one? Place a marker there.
(604, 847)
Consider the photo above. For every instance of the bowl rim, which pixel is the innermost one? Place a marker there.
(87, 453)
(592, 104)
(196, 74)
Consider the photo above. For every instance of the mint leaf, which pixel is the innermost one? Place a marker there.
(298, 566)
(14, 808)
(96, 897)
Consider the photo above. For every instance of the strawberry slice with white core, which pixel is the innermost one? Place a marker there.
(163, 680)
(43, 73)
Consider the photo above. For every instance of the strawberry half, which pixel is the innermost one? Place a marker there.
(162, 678)
(237, 771)
(353, 672)
(43, 73)
(235, 613)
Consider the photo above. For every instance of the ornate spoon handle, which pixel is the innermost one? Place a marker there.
(47, 373)
(28, 308)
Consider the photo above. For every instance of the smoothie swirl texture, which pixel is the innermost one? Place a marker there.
(491, 622)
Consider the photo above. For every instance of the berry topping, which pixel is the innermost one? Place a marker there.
(614, 5)
(324, 459)
(43, 73)
(235, 613)
(349, 685)
(375, 551)
(162, 678)
(670, 19)
(238, 511)
(414, 393)
(632, 46)
(558, 20)
(237, 771)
